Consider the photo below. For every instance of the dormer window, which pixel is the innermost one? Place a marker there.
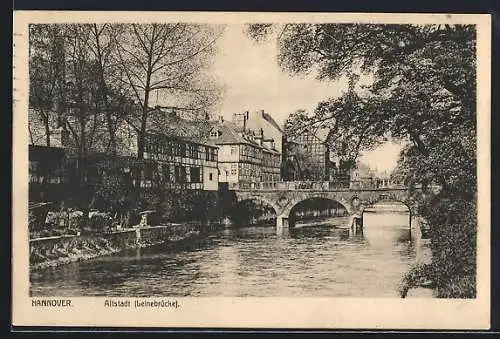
(215, 133)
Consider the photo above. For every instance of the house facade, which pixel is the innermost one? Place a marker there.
(245, 158)
(307, 155)
(174, 162)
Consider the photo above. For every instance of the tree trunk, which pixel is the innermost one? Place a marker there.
(45, 118)
(112, 134)
(144, 120)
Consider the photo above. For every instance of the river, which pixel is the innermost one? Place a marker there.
(310, 261)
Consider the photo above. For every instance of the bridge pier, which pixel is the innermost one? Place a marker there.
(282, 223)
(356, 222)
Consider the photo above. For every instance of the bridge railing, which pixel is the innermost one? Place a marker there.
(290, 185)
(306, 185)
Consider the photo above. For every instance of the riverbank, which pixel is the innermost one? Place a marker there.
(413, 285)
(60, 250)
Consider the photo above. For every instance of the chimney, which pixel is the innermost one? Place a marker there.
(259, 137)
(262, 112)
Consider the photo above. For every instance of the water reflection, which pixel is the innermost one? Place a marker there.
(252, 261)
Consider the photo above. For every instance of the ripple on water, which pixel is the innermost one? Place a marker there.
(310, 261)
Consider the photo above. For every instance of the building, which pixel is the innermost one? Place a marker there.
(386, 179)
(174, 162)
(307, 155)
(177, 152)
(245, 158)
(48, 164)
(260, 122)
(362, 176)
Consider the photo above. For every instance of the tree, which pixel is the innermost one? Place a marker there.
(46, 73)
(296, 122)
(82, 93)
(423, 92)
(111, 97)
(167, 60)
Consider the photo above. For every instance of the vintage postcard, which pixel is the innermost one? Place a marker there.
(251, 170)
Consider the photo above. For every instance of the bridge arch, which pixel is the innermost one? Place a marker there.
(299, 199)
(252, 210)
(284, 199)
(391, 197)
(262, 199)
(314, 207)
(400, 201)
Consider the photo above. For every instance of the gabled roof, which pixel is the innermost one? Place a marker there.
(232, 134)
(168, 123)
(320, 133)
(273, 122)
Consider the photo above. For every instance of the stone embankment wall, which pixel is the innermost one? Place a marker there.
(53, 251)
(423, 255)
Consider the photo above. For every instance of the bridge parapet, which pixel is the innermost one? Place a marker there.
(307, 185)
(353, 200)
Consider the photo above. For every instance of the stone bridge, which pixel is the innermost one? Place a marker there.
(353, 200)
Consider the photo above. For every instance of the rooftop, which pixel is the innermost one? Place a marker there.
(231, 133)
(273, 122)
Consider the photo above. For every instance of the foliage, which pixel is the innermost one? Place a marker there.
(92, 78)
(296, 122)
(424, 93)
(167, 61)
(46, 72)
(95, 81)
(178, 205)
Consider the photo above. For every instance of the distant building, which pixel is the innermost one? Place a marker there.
(245, 158)
(386, 180)
(362, 176)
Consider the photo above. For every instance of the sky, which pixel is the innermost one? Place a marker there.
(253, 81)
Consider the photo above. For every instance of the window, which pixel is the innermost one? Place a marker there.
(213, 154)
(181, 150)
(176, 148)
(234, 169)
(211, 176)
(165, 172)
(180, 174)
(192, 151)
(214, 133)
(195, 174)
(233, 149)
(207, 153)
